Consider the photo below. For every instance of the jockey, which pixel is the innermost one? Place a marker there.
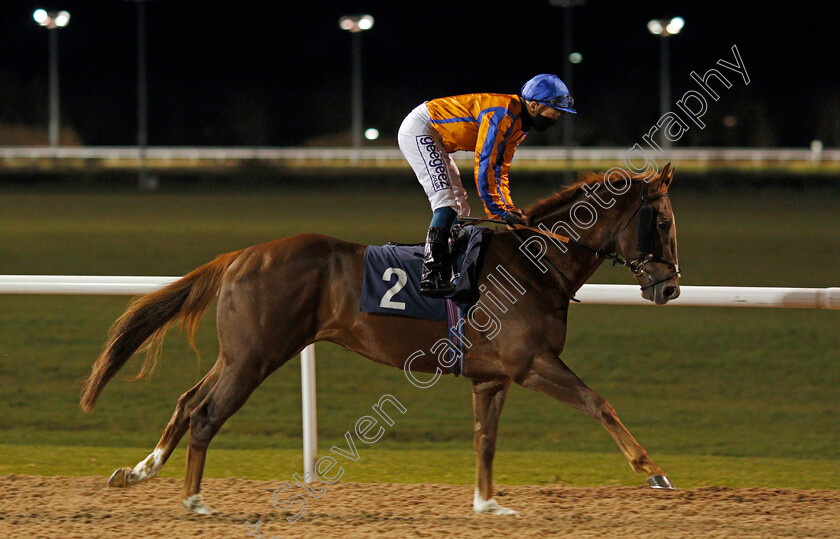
(492, 126)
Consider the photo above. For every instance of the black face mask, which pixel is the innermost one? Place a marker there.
(541, 123)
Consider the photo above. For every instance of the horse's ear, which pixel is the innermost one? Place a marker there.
(668, 179)
(661, 179)
(666, 170)
(667, 175)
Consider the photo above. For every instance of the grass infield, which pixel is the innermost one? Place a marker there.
(738, 397)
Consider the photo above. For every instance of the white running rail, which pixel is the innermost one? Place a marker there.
(600, 294)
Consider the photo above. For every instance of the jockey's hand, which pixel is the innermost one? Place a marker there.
(516, 217)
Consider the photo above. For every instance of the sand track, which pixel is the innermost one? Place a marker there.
(34, 506)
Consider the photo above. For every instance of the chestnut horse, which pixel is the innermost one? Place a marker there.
(276, 298)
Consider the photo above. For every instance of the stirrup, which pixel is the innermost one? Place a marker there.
(436, 288)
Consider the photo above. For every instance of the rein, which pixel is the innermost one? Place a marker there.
(558, 237)
(512, 228)
(637, 266)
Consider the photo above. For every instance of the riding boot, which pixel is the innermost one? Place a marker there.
(436, 277)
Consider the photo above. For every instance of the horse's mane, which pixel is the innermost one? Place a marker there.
(545, 206)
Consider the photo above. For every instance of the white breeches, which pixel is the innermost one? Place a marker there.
(435, 169)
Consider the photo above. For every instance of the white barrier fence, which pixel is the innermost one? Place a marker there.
(598, 294)
(192, 154)
(601, 294)
(231, 160)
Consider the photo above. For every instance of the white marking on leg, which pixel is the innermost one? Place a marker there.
(194, 504)
(148, 467)
(480, 505)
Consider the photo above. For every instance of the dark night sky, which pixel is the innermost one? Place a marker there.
(278, 73)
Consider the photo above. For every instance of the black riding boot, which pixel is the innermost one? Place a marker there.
(436, 277)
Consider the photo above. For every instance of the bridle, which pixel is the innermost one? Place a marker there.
(644, 244)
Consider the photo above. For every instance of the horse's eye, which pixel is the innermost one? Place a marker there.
(664, 225)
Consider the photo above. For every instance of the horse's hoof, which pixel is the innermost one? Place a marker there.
(121, 478)
(660, 482)
(490, 507)
(193, 503)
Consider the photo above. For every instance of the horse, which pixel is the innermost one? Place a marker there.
(276, 298)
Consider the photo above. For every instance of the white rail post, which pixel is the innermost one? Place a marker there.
(309, 411)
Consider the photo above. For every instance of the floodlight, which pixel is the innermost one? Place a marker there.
(355, 23)
(666, 27)
(40, 16)
(62, 18)
(675, 25)
(365, 22)
(655, 27)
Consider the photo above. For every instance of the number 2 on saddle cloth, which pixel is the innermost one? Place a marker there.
(392, 286)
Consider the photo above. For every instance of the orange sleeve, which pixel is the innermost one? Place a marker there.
(504, 183)
(493, 155)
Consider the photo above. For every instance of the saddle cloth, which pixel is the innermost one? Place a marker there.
(392, 280)
(391, 285)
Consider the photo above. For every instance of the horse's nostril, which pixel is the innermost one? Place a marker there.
(669, 291)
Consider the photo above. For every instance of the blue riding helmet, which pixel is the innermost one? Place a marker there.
(549, 90)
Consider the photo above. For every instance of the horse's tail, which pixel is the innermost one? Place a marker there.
(147, 319)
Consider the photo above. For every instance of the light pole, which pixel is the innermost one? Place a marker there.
(144, 182)
(665, 28)
(568, 60)
(53, 20)
(356, 24)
